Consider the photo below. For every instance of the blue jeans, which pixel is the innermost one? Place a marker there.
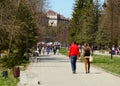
(73, 63)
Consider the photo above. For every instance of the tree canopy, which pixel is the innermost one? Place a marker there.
(18, 28)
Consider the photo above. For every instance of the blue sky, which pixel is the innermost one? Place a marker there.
(64, 7)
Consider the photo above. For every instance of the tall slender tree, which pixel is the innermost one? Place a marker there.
(84, 21)
(111, 21)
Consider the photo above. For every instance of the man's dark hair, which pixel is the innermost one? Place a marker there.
(74, 42)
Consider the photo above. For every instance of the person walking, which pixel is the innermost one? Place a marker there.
(54, 49)
(48, 49)
(74, 53)
(86, 55)
(43, 50)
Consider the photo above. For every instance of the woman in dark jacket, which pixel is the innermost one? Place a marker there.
(87, 52)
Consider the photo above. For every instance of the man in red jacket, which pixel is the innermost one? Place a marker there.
(73, 54)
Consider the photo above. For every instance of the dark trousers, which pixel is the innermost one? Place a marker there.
(73, 63)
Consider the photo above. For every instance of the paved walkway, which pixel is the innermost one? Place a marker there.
(55, 70)
(105, 53)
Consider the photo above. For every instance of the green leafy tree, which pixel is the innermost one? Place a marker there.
(84, 21)
(111, 21)
(76, 24)
(18, 31)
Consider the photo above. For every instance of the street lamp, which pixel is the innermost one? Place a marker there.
(111, 3)
(112, 9)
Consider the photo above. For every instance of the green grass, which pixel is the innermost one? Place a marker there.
(64, 51)
(10, 81)
(103, 62)
(106, 63)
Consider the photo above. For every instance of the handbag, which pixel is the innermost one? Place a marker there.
(91, 58)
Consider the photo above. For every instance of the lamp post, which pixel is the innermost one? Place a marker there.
(112, 9)
(111, 3)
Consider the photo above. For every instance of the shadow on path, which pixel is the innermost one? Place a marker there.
(52, 58)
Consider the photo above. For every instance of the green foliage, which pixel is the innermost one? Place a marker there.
(24, 15)
(84, 25)
(64, 51)
(8, 62)
(18, 31)
(111, 21)
(101, 37)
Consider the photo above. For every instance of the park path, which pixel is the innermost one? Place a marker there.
(55, 70)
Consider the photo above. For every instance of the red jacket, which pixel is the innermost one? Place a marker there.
(74, 50)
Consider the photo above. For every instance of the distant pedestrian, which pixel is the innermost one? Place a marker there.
(54, 50)
(74, 53)
(40, 48)
(43, 50)
(48, 49)
(35, 52)
(58, 49)
(86, 55)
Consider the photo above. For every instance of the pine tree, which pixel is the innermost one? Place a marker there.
(83, 21)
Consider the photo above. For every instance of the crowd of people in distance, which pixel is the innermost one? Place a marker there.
(42, 49)
(115, 50)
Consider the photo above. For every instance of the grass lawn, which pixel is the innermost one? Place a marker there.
(10, 81)
(106, 63)
(103, 62)
(64, 51)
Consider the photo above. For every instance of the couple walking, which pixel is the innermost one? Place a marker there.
(74, 53)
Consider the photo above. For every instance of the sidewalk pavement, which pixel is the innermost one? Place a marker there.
(100, 53)
(55, 70)
(105, 53)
